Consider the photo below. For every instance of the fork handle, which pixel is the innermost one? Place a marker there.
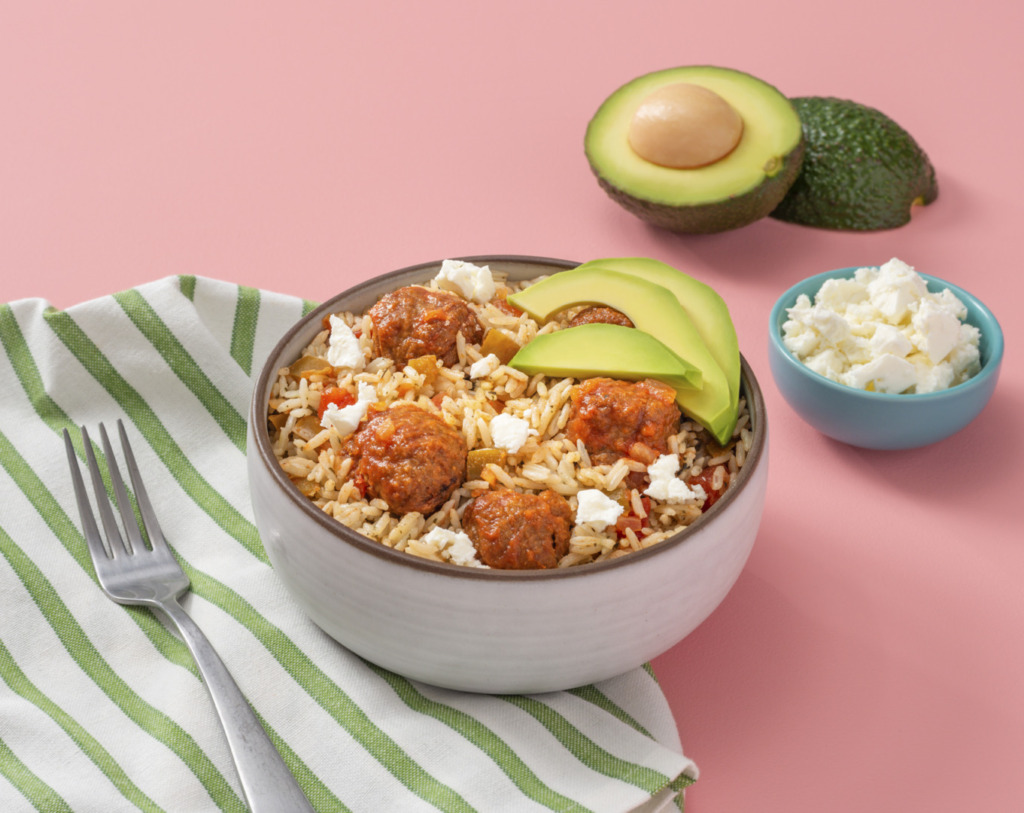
(268, 785)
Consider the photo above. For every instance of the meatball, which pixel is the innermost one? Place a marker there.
(623, 418)
(600, 314)
(410, 458)
(415, 321)
(516, 531)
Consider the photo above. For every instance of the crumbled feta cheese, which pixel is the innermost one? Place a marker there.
(889, 340)
(346, 419)
(483, 368)
(966, 357)
(802, 343)
(836, 293)
(894, 289)
(932, 377)
(829, 325)
(474, 282)
(887, 373)
(883, 330)
(343, 350)
(829, 363)
(947, 299)
(937, 330)
(455, 546)
(597, 509)
(666, 487)
(509, 432)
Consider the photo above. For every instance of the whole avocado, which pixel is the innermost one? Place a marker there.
(861, 170)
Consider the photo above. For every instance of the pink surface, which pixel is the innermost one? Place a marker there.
(870, 656)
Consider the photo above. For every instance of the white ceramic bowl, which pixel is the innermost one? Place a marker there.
(490, 630)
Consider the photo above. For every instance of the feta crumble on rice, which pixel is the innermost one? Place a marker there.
(474, 282)
(346, 419)
(882, 330)
(509, 432)
(343, 349)
(596, 509)
(665, 486)
(483, 368)
(456, 546)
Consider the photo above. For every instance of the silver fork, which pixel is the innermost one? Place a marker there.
(132, 573)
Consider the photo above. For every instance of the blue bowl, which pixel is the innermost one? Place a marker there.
(878, 420)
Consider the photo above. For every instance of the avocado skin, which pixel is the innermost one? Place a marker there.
(712, 218)
(861, 171)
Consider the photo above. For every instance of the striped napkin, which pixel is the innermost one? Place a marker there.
(101, 706)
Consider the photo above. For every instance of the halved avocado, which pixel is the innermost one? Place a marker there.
(742, 186)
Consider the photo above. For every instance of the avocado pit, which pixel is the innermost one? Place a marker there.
(684, 126)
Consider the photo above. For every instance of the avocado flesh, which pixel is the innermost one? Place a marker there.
(706, 308)
(588, 351)
(652, 309)
(861, 171)
(740, 188)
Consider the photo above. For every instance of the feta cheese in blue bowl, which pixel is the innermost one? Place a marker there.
(884, 357)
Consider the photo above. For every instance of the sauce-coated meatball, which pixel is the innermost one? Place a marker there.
(410, 458)
(623, 418)
(517, 531)
(415, 321)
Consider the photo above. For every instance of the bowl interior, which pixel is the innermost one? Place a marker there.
(358, 299)
(990, 345)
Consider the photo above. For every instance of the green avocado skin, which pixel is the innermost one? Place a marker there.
(861, 170)
(712, 218)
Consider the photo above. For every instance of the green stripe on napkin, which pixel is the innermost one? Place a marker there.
(184, 366)
(30, 786)
(244, 334)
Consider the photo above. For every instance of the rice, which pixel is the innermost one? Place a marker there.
(314, 458)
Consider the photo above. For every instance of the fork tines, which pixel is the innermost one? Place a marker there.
(133, 541)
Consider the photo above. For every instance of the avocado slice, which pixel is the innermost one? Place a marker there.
(706, 308)
(653, 309)
(739, 188)
(587, 351)
(861, 171)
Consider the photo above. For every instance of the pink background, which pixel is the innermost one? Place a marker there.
(870, 656)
